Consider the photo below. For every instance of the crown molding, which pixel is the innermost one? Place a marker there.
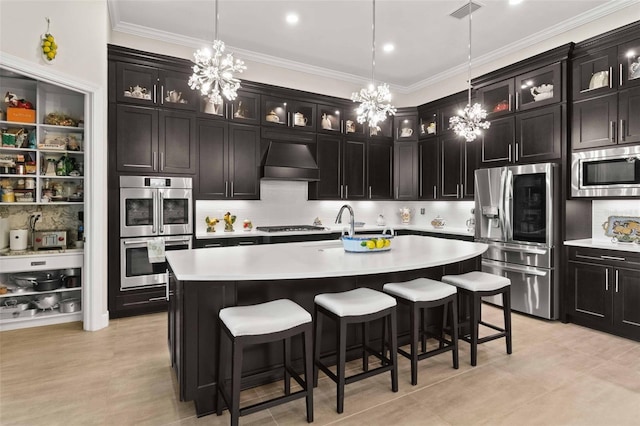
(168, 37)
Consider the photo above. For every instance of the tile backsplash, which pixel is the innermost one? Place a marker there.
(602, 209)
(286, 203)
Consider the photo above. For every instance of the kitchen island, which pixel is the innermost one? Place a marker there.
(203, 281)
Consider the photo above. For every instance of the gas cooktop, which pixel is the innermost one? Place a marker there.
(289, 228)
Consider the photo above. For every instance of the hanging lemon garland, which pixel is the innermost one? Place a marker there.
(48, 45)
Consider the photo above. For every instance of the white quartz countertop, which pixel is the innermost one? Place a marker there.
(601, 244)
(317, 259)
(239, 232)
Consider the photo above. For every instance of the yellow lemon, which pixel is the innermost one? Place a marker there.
(371, 244)
(46, 49)
(387, 243)
(50, 37)
(47, 43)
(379, 243)
(51, 55)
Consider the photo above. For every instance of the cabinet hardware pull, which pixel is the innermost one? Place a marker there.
(226, 185)
(155, 160)
(346, 191)
(162, 94)
(510, 97)
(167, 287)
(621, 259)
(620, 76)
(616, 280)
(457, 190)
(612, 131)
(212, 245)
(157, 299)
(610, 77)
(622, 132)
(509, 152)
(161, 161)
(517, 100)
(462, 190)
(39, 263)
(341, 191)
(369, 191)
(517, 148)
(606, 280)
(155, 95)
(246, 243)
(232, 193)
(582, 256)
(434, 192)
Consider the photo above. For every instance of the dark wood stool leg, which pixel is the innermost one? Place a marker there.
(506, 307)
(222, 362)
(236, 377)
(308, 371)
(423, 330)
(342, 354)
(444, 321)
(287, 366)
(365, 344)
(475, 323)
(317, 340)
(454, 332)
(415, 318)
(393, 325)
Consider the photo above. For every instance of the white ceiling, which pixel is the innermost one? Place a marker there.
(333, 38)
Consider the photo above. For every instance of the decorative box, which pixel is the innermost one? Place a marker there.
(21, 115)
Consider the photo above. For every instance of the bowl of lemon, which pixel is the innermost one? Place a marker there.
(367, 243)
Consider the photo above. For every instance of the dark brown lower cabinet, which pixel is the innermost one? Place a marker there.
(603, 291)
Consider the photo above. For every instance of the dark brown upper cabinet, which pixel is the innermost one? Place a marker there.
(532, 89)
(406, 127)
(428, 125)
(330, 119)
(244, 109)
(288, 113)
(150, 86)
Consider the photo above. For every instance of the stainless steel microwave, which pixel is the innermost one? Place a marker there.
(611, 172)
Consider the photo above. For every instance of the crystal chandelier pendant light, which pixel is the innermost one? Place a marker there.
(374, 101)
(214, 71)
(470, 121)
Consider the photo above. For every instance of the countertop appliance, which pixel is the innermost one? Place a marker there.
(49, 240)
(289, 228)
(610, 172)
(152, 208)
(516, 214)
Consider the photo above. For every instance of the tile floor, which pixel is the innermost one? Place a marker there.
(558, 374)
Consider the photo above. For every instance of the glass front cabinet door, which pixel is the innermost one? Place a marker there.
(538, 88)
(629, 63)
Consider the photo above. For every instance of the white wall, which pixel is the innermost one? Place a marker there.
(285, 203)
(81, 29)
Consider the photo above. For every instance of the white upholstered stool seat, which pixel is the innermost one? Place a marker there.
(264, 318)
(361, 301)
(477, 281)
(420, 290)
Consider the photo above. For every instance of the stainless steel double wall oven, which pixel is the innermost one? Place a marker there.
(150, 208)
(516, 214)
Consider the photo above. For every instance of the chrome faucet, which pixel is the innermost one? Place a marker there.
(351, 218)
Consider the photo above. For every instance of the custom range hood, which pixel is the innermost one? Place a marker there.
(289, 161)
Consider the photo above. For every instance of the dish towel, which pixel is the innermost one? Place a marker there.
(155, 249)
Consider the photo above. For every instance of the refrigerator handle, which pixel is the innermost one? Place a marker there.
(508, 191)
(501, 206)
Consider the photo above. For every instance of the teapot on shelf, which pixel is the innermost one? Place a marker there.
(299, 119)
(272, 117)
(173, 96)
(544, 91)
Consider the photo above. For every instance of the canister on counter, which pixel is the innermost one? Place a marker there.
(8, 196)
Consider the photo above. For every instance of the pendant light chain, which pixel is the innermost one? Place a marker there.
(214, 72)
(374, 101)
(470, 121)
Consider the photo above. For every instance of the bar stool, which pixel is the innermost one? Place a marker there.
(266, 322)
(359, 306)
(475, 285)
(419, 295)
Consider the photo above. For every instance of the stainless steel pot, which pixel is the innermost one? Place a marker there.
(46, 301)
(69, 305)
(40, 281)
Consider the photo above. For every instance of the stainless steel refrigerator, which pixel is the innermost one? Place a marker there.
(516, 213)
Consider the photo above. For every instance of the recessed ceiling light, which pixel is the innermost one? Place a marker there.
(292, 18)
(515, 1)
(388, 47)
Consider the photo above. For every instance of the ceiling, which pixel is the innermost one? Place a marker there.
(334, 38)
